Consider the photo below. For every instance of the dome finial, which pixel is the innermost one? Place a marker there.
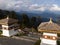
(50, 20)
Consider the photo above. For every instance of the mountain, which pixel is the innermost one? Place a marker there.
(45, 15)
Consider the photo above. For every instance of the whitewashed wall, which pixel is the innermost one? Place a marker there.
(8, 32)
(49, 41)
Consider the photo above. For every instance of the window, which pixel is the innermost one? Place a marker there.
(45, 36)
(5, 28)
(54, 38)
(49, 37)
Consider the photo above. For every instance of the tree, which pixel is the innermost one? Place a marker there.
(4, 13)
(33, 21)
(12, 14)
(1, 14)
(33, 24)
(25, 20)
(39, 20)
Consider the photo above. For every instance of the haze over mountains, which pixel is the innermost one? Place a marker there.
(45, 14)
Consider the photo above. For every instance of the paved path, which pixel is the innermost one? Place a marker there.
(12, 41)
(19, 40)
(26, 38)
(33, 37)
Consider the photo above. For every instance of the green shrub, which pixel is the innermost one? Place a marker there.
(37, 42)
(58, 42)
(0, 32)
(58, 35)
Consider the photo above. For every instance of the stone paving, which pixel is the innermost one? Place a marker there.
(26, 38)
(12, 41)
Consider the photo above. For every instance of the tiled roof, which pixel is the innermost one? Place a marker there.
(49, 26)
(7, 21)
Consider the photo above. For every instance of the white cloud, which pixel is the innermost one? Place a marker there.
(37, 7)
(15, 5)
(54, 7)
(18, 5)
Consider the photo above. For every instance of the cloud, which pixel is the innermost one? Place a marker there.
(54, 7)
(15, 5)
(18, 5)
(37, 7)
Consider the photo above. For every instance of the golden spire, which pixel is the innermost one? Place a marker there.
(50, 20)
(7, 17)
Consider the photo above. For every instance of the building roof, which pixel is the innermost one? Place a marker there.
(49, 26)
(7, 21)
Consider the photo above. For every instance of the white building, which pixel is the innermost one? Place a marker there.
(50, 30)
(9, 26)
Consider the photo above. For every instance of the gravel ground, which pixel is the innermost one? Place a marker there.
(11, 41)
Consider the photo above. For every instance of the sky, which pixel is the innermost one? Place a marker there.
(30, 5)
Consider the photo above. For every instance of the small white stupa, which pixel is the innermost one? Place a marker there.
(50, 30)
(9, 26)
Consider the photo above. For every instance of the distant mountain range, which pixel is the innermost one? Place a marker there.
(45, 14)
